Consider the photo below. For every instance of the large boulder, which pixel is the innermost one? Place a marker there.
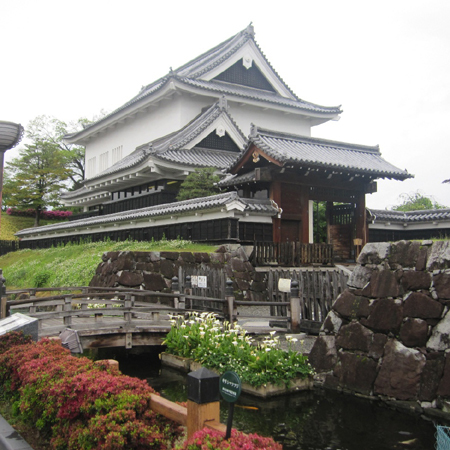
(400, 373)
(357, 372)
(440, 337)
(386, 315)
(414, 332)
(354, 337)
(439, 257)
(351, 306)
(383, 284)
(323, 355)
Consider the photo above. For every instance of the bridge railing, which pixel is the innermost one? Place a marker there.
(130, 305)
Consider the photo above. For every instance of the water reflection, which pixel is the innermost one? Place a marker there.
(305, 421)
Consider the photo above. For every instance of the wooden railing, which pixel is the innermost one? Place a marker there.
(131, 307)
(293, 254)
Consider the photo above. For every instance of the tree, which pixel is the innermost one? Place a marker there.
(36, 177)
(200, 183)
(49, 129)
(416, 202)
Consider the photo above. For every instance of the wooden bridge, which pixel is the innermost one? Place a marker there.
(118, 317)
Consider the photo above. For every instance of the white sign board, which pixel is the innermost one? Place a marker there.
(194, 280)
(202, 281)
(284, 285)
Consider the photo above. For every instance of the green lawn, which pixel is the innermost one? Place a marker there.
(74, 265)
(12, 224)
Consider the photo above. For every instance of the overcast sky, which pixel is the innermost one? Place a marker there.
(386, 62)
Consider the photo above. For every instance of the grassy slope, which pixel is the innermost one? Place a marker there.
(12, 224)
(74, 265)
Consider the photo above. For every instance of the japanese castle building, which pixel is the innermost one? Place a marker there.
(229, 109)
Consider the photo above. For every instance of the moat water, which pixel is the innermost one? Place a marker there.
(317, 420)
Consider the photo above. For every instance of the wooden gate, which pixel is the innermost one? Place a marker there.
(318, 290)
(293, 254)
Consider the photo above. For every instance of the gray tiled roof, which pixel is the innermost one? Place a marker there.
(233, 180)
(259, 95)
(72, 194)
(290, 148)
(184, 207)
(428, 215)
(190, 72)
(166, 148)
(199, 157)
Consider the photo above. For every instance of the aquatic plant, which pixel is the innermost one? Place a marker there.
(225, 346)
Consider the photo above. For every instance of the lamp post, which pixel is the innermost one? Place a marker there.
(10, 135)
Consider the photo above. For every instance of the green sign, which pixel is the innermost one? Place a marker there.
(230, 386)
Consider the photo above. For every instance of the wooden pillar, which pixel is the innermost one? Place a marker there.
(275, 195)
(361, 219)
(3, 308)
(304, 196)
(198, 414)
(328, 213)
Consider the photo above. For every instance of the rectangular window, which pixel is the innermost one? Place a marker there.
(116, 154)
(91, 167)
(103, 162)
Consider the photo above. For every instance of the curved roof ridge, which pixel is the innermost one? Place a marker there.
(213, 57)
(196, 126)
(256, 131)
(258, 94)
(157, 210)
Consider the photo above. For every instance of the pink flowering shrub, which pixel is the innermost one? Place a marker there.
(50, 215)
(79, 404)
(207, 439)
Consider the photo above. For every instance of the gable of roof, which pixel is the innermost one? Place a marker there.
(209, 73)
(285, 148)
(179, 147)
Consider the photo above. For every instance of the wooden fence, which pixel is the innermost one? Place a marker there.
(293, 254)
(8, 246)
(128, 309)
(318, 289)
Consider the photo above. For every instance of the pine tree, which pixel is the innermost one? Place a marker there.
(200, 183)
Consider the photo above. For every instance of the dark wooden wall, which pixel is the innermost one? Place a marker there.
(219, 230)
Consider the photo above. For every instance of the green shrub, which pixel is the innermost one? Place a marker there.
(79, 404)
(219, 346)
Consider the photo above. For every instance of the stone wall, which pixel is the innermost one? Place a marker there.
(154, 270)
(388, 334)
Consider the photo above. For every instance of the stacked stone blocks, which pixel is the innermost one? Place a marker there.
(388, 334)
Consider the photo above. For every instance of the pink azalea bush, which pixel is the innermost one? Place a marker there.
(207, 439)
(77, 404)
(50, 215)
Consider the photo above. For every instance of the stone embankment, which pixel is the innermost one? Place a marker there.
(388, 334)
(154, 271)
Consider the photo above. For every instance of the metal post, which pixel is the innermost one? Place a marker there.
(295, 308)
